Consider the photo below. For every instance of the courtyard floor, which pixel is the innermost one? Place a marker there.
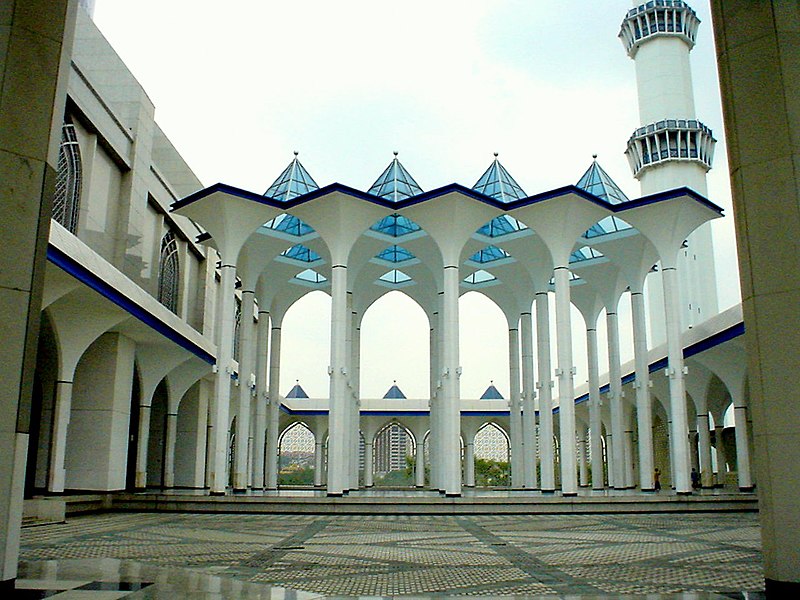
(147, 555)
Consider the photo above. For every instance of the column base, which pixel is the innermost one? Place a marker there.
(335, 494)
(569, 494)
(598, 489)
(452, 495)
(441, 492)
(684, 493)
(781, 589)
(648, 490)
(548, 491)
(7, 585)
(216, 493)
(749, 488)
(419, 487)
(345, 493)
(239, 490)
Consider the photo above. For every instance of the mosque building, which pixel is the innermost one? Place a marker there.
(159, 353)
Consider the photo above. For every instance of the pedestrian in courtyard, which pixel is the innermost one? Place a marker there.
(657, 479)
(695, 479)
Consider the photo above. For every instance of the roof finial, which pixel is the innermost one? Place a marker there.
(594, 156)
(491, 382)
(297, 381)
(296, 153)
(496, 154)
(395, 153)
(394, 380)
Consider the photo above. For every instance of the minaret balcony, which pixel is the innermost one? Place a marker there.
(658, 18)
(670, 140)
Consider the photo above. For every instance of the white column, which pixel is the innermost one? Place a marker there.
(58, 441)
(595, 422)
(170, 442)
(615, 398)
(679, 431)
(338, 413)
(469, 462)
(434, 437)
(610, 459)
(218, 476)
(644, 406)
(246, 367)
(722, 460)
(583, 467)
(355, 426)
(273, 406)
(515, 414)
(545, 387)
(369, 467)
(528, 406)
(450, 393)
(566, 384)
(262, 361)
(419, 463)
(628, 433)
(319, 462)
(704, 450)
(143, 439)
(742, 445)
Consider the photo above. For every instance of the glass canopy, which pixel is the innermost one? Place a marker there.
(395, 276)
(498, 183)
(395, 183)
(478, 277)
(585, 253)
(310, 276)
(292, 182)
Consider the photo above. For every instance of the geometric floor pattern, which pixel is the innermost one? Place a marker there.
(491, 556)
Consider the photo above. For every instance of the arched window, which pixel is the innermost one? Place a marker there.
(66, 201)
(169, 272)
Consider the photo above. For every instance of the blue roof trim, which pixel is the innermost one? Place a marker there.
(82, 274)
(721, 337)
(668, 195)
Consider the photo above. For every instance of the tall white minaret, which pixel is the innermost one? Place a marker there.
(672, 148)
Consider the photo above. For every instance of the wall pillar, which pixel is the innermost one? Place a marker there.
(170, 443)
(338, 413)
(245, 391)
(260, 424)
(369, 463)
(450, 393)
(742, 445)
(469, 462)
(615, 398)
(319, 460)
(595, 422)
(722, 459)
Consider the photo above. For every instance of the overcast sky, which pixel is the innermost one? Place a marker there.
(238, 87)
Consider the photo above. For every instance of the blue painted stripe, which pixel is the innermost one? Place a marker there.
(85, 276)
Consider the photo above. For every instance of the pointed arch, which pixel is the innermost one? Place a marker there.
(169, 272)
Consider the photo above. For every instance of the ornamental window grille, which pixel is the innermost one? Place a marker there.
(66, 201)
(169, 272)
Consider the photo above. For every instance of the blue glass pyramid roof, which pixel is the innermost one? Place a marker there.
(500, 226)
(292, 182)
(598, 183)
(297, 392)
(492, 393)
(395, 183)
(497, 183)
(394, 393)
(290, 225)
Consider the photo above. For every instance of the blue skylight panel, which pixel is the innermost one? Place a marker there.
(395, 226)
(479, 276)
(500, 226)
(395, 276)
(585, 253)
(605, 226)
(301, 253)
(395, 254)
(311, 276)
(489, 254)
(289, 224)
